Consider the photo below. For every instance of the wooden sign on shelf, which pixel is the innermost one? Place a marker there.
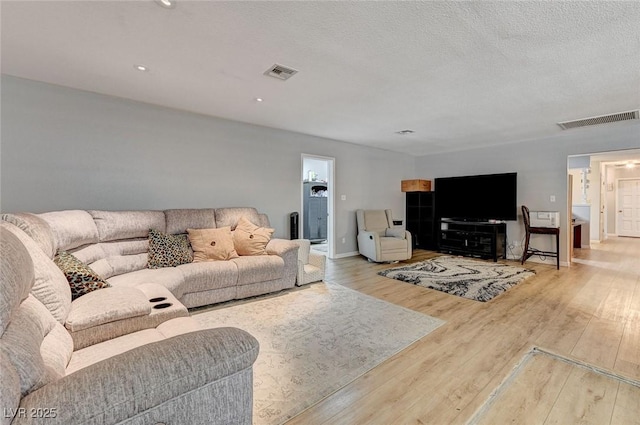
(416, 185)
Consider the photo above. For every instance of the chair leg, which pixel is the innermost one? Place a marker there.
(525, 249)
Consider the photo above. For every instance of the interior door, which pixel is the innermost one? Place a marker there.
(628, 211)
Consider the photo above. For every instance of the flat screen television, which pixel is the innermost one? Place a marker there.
(477, 198)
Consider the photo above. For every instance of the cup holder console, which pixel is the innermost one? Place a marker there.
(162, 305)
(157, 299)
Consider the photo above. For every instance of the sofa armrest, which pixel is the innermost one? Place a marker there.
(317, 260)
(369, 244)
(281, 247)
(138, 380)
(105, 306)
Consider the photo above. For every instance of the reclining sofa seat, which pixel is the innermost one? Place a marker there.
(173, 373)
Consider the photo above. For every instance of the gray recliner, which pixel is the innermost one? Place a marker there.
(379, 240)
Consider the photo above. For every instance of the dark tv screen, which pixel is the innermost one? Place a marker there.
(477, 198)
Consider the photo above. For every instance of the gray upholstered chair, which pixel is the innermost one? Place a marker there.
(310, 265)
(379, 240)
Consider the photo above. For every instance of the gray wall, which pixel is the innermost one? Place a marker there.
(541, 166)
(69, 149)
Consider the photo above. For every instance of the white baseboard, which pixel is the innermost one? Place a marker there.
(346, 254)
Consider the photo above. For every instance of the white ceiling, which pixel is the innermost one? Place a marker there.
(460, 74)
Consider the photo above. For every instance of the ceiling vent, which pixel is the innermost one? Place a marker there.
(602, 119)
(280, 72)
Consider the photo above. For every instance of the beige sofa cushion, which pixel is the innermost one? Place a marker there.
(37, 354)
(36, 228)
(250, 239)
(259, 268)
(10, 393)
(212, 244)
(50, 286)
(208, 275)
(115, 257)
(390, 244)
(231, 216)
(71, 229)
(16, 273)
(170, 277)
(114, 225)
(179, 220)
(107, 305)
(375, 220)
(120, 264)
(104, 350)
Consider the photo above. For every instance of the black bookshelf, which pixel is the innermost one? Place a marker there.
(420, 211)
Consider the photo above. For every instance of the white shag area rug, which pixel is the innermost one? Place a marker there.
(314, 341)
(464, 277)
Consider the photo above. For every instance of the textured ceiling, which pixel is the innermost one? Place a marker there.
(459, 74)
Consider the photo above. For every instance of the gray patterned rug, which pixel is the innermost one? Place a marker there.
(314, 341)
(464, 277)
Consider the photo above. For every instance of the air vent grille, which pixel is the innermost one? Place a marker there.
(602, 119)
(280, 72)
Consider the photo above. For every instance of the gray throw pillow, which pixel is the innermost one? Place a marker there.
(395, 232)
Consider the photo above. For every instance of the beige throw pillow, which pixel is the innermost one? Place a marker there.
(250, 239)
(212, 244)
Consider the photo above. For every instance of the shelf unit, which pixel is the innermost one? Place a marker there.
(473, 238)
(314, 224)
(420, 217)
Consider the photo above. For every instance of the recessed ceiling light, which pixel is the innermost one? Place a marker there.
(259, 99)
(169, 4)
(141, 68)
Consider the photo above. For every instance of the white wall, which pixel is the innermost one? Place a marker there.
(66, 149)
(541, 166)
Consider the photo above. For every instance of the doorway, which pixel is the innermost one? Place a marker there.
(317, 206)
(599, 196)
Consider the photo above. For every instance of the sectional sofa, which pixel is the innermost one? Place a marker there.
(128, 353)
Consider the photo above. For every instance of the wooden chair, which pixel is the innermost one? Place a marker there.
(528, 252)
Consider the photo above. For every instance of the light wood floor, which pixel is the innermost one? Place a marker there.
(589, 312)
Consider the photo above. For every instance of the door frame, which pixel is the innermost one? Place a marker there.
(331, 166)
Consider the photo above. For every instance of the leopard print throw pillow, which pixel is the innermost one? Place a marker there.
(168, 250)
(82, 279)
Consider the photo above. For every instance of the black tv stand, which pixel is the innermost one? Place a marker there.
(484, 239)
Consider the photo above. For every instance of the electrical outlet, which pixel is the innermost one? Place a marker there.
(552, 198)
(344, 240)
